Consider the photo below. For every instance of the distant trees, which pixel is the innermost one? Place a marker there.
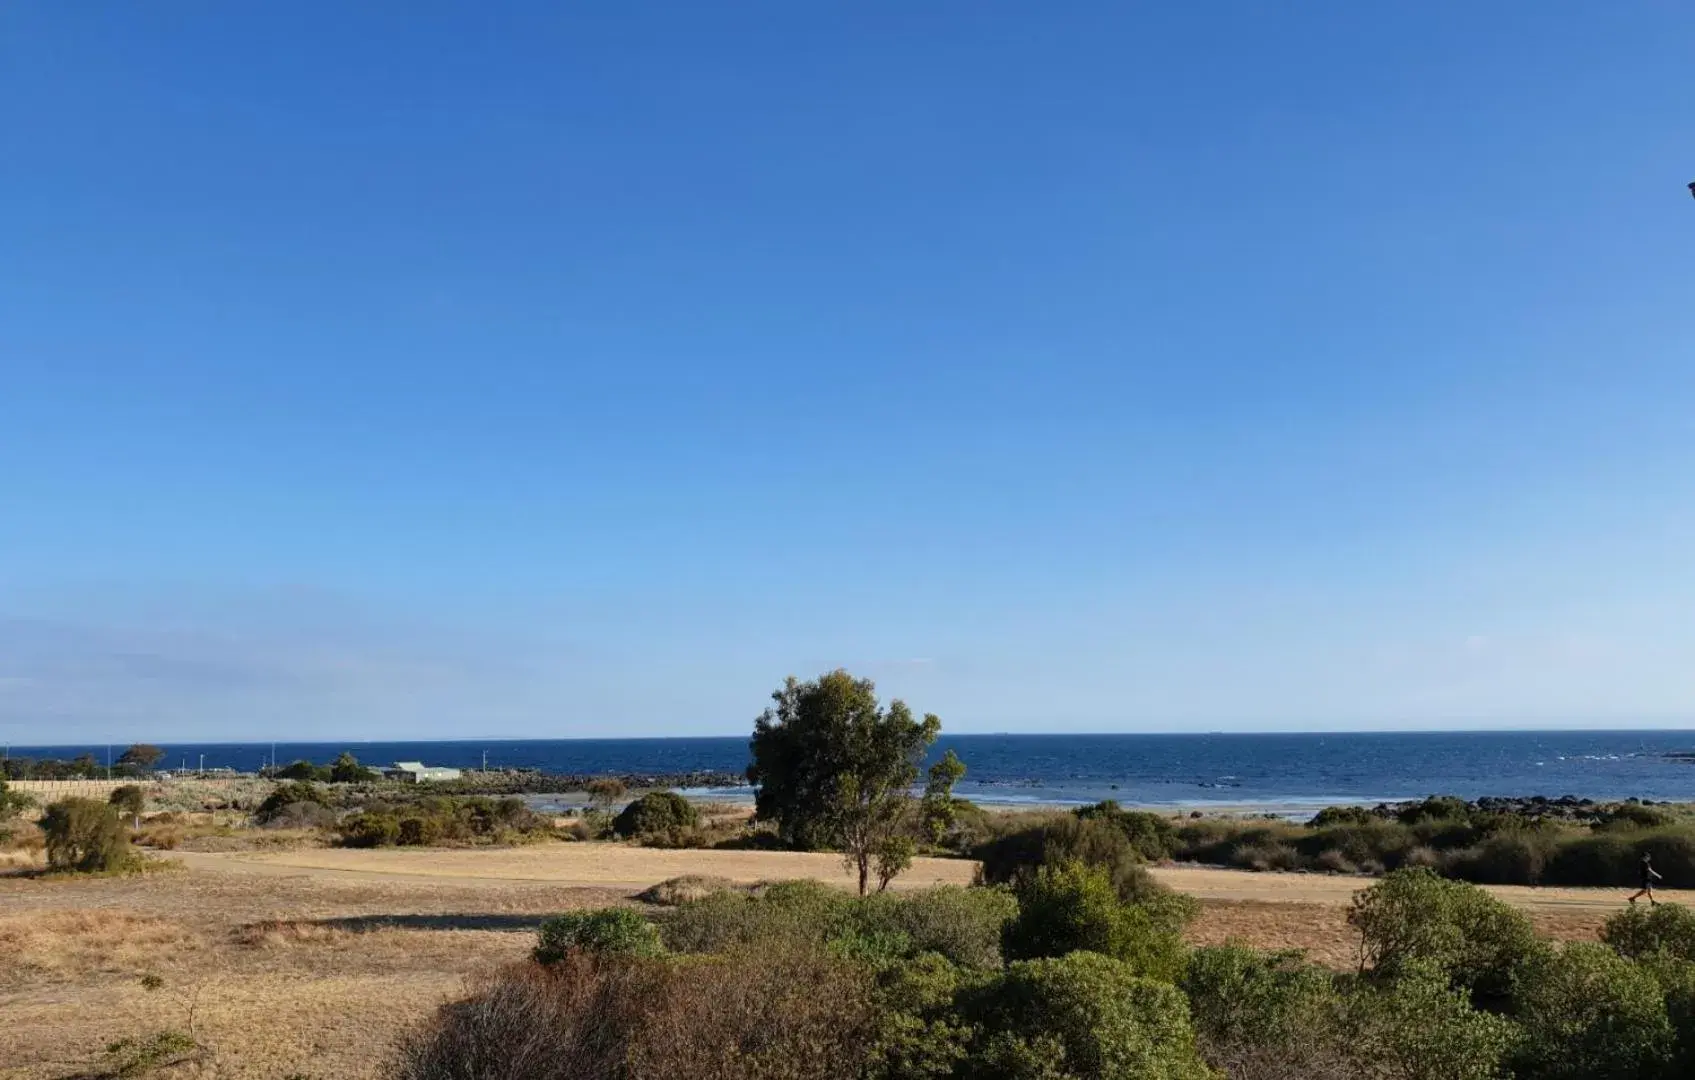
(302, 770)
(834, 768)
(347, 770)
(140, 758)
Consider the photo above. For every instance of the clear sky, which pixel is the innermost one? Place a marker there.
(424, 370)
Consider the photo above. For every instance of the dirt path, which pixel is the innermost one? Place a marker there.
(613, 865)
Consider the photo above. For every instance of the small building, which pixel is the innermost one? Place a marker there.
(417, 772)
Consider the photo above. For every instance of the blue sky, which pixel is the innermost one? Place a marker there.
(427, 370)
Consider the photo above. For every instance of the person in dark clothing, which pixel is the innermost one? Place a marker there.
(1649, 876)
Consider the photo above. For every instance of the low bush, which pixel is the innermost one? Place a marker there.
(1507, 858)
(1074, 907)
(1590, 1014)
(1080, 1016)
(1342, 815)
(150, 1053)
(300, 815)
(963, 925)
(1241, 998)
(302, 770)
(803, 911)
(1015, 858)
(1334, 862)
(369, 829)
(1640, 931)
(780, 1014)
(1628, 815)
(12, 803)
(439, 819)
(1413, 917)
(86, 836)
(129, 801)
(289, 794)
(1152, 836)
(1266, 855)
(1379, 843)
(687, 889)
(658, 813)
(1611, 857)
(1417, 1027)
(608, 930)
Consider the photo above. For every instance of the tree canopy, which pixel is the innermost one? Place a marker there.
(833, 768)
(141, 756)
(346, 769)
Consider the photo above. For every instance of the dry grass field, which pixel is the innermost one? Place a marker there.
(306, 963)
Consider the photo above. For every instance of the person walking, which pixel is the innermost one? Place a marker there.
(1649, 876)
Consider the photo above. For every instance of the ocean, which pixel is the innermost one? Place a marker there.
(1279, 773)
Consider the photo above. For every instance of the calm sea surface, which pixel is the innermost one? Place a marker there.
(1270, 771)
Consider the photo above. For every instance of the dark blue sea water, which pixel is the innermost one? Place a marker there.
(1258, 771)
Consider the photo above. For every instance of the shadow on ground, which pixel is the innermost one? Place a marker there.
(360, 924)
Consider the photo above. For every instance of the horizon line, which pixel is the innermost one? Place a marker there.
(84, 744)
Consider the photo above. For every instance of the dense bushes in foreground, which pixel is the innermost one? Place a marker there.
(1051, 979)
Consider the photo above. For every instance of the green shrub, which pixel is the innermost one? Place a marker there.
(1074, 908)
(656, 813)
(920, 1034)
(1628, 815)
(1342, 815)
(345, 769)
(129, 800)
(1152, 836)
(803, 911)
(1508, 858)
(608, 930)
(12, 803)
(1590, 1014)
(295, 791)
(142, 1056)
(419, 831)
(1638, 931)
(370, 829)
(301, 815)
(302, 770)
(1015, 858)
(1673, 850)
(1415, 917)
(1368, 843)
(1081, 1016)
(1607, 858)
(1416, 1027)
(1265, 855)
(962, 925)
(1244, 997)
(1435, 808)
(1676, 979)
(85, 835)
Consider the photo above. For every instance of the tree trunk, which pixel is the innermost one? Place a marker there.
(864, 871)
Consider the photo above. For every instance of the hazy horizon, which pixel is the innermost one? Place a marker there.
(568, 373)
